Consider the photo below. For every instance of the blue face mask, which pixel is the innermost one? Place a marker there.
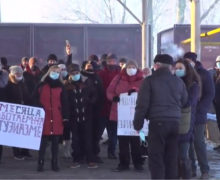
(142, 136)
(64, 73)
(218, 65)
(54, 75)
(180, 72)
(76, 77)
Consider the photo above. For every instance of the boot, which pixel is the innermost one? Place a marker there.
(40, 166)
(54, 165)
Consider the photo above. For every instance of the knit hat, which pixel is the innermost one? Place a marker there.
(132, 63)
(73, 67)
(112, 56)
(62, 66)
(218, 59)
(163, 58)
(52, 57)
(190, 55)
(15, 69)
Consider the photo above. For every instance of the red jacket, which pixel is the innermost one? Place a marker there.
(106, 76)
(121, 84)
(50, 99)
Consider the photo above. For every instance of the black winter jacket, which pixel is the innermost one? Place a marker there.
(160, 98)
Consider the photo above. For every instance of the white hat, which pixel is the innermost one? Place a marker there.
(218, 59)
(15, 69)
(62, 66)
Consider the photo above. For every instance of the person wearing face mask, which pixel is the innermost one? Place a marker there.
(63, 73)
(128, 81)
(17, 92)
(204, 104)
(192, 81)
(82, 97)
(107, 74)
(52, 97)
(88, 71)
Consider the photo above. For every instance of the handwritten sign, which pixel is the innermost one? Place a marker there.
(126, 110)
(21, 126)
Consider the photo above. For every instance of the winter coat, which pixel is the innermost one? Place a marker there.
(98, 85)
(122, 83)
(32, 78)
(160, 98)
(52, 97)
(193, 98)
(81, 97)
(106, 75)
(3, 84)
(208, 93)
(16, 92)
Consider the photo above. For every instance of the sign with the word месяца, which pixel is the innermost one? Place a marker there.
(21, 126)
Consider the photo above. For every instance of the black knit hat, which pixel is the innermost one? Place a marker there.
(73, 67)
(190, 55)
(163, 58)
(52, 57)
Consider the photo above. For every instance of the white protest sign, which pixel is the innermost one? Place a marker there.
(126, 110)
(21, 126)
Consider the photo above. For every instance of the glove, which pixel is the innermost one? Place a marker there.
(130, 91)
(116, 99)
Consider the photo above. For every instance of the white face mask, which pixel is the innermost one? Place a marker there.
(131, 71)
(19, 78)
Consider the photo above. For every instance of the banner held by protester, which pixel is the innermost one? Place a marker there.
(126, 110)
(21, 126)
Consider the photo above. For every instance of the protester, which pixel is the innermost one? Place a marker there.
(192, 81)
(106, 75)
(122, 63)
(128, 81)
(24, 63)
(16, 92)
(207, 96)
(51, 95)
(147, 72)
(216, 73)
(4, 64)
(160, 100)
(51, 60)
(88, 71)
(81, 97)
(3, 83)
(31, 74)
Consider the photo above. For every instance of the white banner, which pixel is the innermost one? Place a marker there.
(21, 126)
(126, 110)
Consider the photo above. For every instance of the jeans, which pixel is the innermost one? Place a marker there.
(112, 135)
(200, 149)
(163, 149)
(184, 150)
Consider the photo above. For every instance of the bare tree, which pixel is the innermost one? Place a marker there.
(211, 7)
(124, 13)
(181, 6)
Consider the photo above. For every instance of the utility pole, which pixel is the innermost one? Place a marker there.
(145, 34)
(195, 28)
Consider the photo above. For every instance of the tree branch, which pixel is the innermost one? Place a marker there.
(206, 13)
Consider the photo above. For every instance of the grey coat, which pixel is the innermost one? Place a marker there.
(160, 98)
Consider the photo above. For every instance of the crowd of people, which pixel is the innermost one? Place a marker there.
(80, 102)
